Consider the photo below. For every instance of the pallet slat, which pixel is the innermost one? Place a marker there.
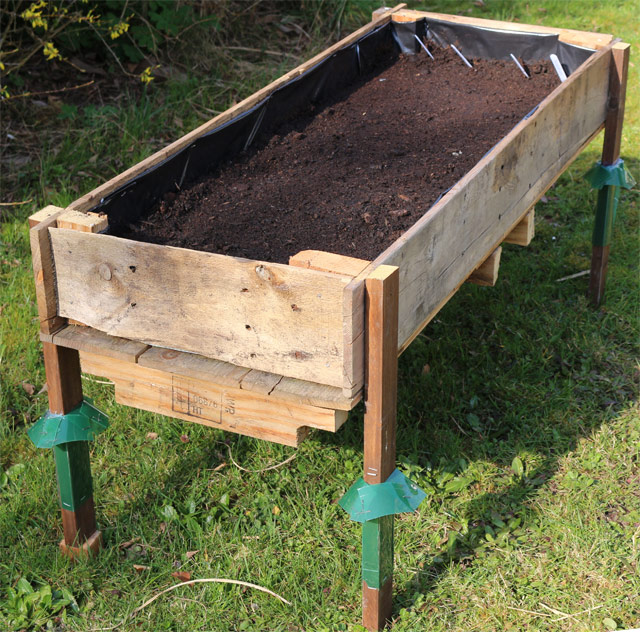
(269, 317)
(226, 408)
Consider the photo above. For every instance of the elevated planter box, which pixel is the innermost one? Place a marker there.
(270, 350)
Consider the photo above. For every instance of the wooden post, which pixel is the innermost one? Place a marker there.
(62, 366)
(381, 349)
(610, 153)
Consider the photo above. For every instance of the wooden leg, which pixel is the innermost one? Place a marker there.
(73, 469)
(380, 438)
(610, 154)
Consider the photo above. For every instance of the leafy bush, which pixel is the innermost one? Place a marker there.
(112, 30)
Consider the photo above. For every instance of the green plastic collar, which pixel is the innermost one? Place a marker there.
(81, 424)
(617, 175)
(364, 502)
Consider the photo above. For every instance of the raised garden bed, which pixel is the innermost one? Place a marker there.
(284, 339)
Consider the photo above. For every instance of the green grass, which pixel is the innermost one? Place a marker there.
(524, 431)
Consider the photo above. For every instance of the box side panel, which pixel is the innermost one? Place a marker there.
(439, 252)
(264, 316)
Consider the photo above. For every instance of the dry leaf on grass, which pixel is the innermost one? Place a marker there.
(29, 389)
(183, 576)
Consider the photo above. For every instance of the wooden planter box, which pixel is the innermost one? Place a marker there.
(270, 350)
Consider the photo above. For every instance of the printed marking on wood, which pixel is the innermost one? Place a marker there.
(187, 401)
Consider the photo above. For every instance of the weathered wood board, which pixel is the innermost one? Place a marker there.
(204, 402)
(270, 317)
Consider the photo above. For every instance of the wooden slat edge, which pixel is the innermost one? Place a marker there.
(92, 198)
(570, 36)
(43, 214)
(44, 273)
(214, 405)
(93, 341)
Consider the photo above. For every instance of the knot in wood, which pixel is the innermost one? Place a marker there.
(105, 271)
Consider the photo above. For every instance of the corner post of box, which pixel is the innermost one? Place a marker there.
(381, 378)
(605, 208)
(67, 425)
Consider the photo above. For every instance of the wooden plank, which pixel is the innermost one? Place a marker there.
(353, 312)
(619, 71)
(223, 373)
(484, 206)
(487, 272)
(380, 431)
(44, 275)
(203, 402)
(290, 389)
(269, 317)
(193, 365)
(94, 341)
(328, 262)
(90, 200)
(570, 36)
(85, 222)
(260, 381)
(524, 232)
(382, 374)
(64, 386)
(44, 213)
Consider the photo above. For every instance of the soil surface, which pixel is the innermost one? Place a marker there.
(351, 176)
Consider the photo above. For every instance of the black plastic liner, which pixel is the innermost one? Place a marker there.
(378, 48)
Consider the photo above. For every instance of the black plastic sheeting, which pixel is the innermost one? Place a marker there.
(378, 48)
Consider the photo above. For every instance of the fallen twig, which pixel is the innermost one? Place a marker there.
(573, 276)
(271, 467)
(16, 203)
(216, 580)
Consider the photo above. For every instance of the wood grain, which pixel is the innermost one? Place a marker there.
(85, 222)
(524, 232)
(328, 262)
(62, 368)
(204, 402)
(44, 213)
(382, 374)
(619, 71)
(44, 274)
(269, 317)
(380, 417)
(487, 272)
(88, 339)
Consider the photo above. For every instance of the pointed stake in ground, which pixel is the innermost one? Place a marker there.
(379, 438)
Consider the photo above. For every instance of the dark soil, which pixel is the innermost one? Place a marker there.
(352, 176)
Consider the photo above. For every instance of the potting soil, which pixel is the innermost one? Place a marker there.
(349, 176)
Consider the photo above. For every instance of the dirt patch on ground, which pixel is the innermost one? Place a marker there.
(352, 176)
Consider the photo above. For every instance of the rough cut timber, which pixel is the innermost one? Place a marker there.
(204, 402)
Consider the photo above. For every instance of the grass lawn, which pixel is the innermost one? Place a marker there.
(518, 415)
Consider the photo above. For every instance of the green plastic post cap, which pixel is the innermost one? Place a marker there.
(617, 175)
(364, 502)
(83, 423)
